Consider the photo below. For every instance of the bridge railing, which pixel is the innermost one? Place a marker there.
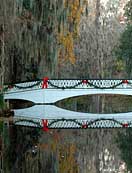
(71, 84)
(73, 123)
(86, 83)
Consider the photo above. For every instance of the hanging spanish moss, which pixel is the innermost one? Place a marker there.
(37, 35)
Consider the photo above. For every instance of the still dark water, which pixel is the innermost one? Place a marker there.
(98, 103)
(31, 150)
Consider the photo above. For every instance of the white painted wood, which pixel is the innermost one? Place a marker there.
(54, 95)
(54, 112)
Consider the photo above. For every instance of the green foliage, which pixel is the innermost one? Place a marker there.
(128, 11)
(1, 101)
(125, 48)
(124, 51)
(26, 4)
(124, 141)
(1, 126)
(119, 65)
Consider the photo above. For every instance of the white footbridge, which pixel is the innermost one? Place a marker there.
(44, 93)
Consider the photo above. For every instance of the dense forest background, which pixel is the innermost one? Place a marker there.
(56, 39)
(65, 39)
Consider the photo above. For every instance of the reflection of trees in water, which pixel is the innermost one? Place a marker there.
(98, 103)
(124, 141)
(22, 142)
(60, 150)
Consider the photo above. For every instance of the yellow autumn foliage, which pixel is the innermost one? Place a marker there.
(75, 12)
(120, 65)
(66, 37)
(68, 46)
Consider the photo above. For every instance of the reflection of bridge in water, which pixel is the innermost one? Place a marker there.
(47, 92)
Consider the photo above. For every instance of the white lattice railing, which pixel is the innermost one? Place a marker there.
(73, 123)
(71, 84)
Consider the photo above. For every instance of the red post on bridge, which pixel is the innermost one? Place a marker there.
(84, 126)
(84, 81)
(45, 125)
(125, 81)
(45, 82)
(125, 125)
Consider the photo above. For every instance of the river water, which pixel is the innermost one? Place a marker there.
(31, 150)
